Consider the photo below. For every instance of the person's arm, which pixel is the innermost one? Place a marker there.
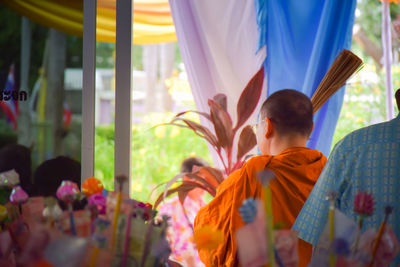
(222, 213)
(216, 214)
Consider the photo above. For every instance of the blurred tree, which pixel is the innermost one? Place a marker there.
(68, 54)
(368, 27)
(10, 46)
(74, 52)
(167, 62)
(105, 56)
(137, 54)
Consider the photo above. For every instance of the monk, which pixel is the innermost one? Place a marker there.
(285, 124)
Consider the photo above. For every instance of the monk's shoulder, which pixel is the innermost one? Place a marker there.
(248, 170)
(256, 164)
(229, 181)
(257, 161)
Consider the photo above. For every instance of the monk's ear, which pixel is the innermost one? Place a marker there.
(312, 129)
(270, 128)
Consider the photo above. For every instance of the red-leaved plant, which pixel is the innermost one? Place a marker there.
(223, 139)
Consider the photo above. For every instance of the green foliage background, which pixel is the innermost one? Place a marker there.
(365, 102)
(156, 154)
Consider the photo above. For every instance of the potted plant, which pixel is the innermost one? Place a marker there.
(223, 141)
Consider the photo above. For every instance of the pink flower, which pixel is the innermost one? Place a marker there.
(18, 196)
(99, 201)
(67, 191)
(364, 204)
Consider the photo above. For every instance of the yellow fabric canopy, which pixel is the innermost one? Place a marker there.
(152, 21)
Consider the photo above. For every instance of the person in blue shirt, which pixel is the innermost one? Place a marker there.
(366, 160)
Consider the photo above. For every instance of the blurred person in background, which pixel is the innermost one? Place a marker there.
(180, 232)
(17, 157)
(49, 175)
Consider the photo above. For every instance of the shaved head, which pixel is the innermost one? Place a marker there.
(290, 111)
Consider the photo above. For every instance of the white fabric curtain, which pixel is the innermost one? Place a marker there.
(218, 42)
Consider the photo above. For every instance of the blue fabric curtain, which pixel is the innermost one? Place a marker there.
(303, 38)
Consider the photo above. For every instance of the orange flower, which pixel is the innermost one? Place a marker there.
(92, 186)
(207, 238)
(391, 1)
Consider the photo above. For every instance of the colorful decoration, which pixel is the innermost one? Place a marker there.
(67, 191)
(99, 201)
(99, 235)
(364, 204)
(341, 247)
(145, 210)
(30, 240)
(350, 248)
(121, 179)
(248, 210)
(9, 178)
(35, 245)
(52, 211)
(161, 250)
(100, 239)
(67, 248)
(126, 243)
(252, 240)
(207, 238)
(18, 196)
(388, 211)
(331, 197)
(92, 186)
(286, 248)
(364, 207)
(265, 177)
(141, 239)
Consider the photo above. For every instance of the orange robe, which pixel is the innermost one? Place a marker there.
(296, 171)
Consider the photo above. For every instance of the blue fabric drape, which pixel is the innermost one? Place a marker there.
(303, 38)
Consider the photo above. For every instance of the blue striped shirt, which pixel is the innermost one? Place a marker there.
(366, 160)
